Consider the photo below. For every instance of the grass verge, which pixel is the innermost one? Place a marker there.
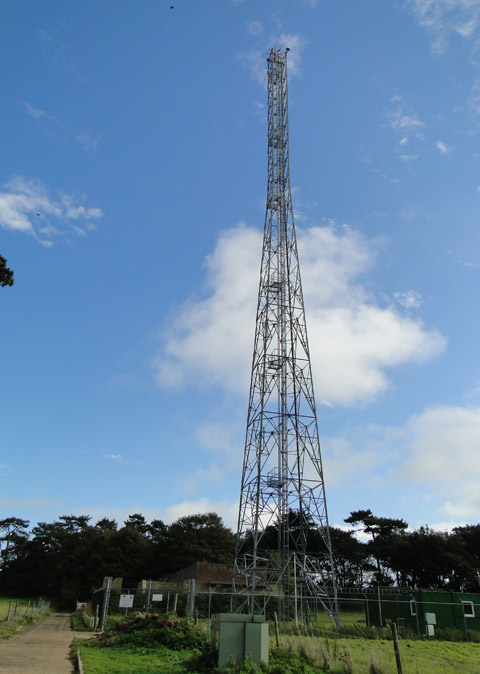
(171, 646)
(21, 619)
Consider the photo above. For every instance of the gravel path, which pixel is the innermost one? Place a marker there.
(42, 648)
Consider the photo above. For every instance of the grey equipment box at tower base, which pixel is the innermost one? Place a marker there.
(237, 635)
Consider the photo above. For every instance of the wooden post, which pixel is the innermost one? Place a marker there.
(175, 600)
(393, 627)
(277, 633)
(9, 607)
(360, 630)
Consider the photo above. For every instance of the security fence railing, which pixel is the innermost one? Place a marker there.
(363, 612)
(21, 608)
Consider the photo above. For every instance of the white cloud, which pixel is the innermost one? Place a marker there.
(255, 28)
(407, 122)
(208, 340)
(444, 19)
(255, 59)
(296, 44)
(444, 526)
(201, 477)
(222, 438)
(88, 142)
(410, 299)
(443, 449)
(445, 444)
(474, 98)
(342, 460)
(407, 127)
(117, 457)
(353, 340)
(121, 459)
(442, 147)
(120, 515)
(32, 111)
(228, 510)
(432, 459)
(25, 206)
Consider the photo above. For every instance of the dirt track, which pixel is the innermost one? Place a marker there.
(42, 648)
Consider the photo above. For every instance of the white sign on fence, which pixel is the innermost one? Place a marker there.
(126, 601)
(157, 597)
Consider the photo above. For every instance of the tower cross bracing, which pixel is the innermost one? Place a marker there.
(283, 548)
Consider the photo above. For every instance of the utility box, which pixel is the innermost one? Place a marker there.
(236, 635)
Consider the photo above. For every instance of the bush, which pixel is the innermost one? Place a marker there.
(282, 661)
(454, 634)
(153, 631)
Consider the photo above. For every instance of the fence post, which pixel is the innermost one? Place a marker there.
(106, 601)
(395, 647)
(379, 607)
(9, 607)
(277, 635)
(149, 590)
(191, 598)
(175, 600)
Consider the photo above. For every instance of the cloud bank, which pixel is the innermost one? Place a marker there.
(353, 340)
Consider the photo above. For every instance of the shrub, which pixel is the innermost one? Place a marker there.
(153, 631)
(454, 634)
(282, 661)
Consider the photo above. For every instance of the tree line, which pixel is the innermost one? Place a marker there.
(68, 558)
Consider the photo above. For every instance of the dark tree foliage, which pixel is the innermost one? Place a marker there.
(13, 534)
(385, 532)
(6, 274)
(196, 538)
(69, 558)
(350, 558)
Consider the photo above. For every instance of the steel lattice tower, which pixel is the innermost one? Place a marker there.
(282, 512)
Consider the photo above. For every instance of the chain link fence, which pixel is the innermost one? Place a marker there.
(19, 608)
(364, 612)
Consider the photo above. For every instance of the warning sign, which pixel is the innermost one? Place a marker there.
(126, 601)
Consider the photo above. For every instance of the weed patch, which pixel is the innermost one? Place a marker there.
(151, 632)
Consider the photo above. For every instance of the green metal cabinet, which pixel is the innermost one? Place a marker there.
(237, 635)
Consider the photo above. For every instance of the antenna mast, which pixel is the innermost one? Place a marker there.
(283, 549)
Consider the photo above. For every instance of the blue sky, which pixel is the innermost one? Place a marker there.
(132, 197)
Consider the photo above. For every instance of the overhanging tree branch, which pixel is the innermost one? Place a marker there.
(6, 274)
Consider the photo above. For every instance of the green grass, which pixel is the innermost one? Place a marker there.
(7, 629)
(418, 657)
(132, 652)
(122, 660)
